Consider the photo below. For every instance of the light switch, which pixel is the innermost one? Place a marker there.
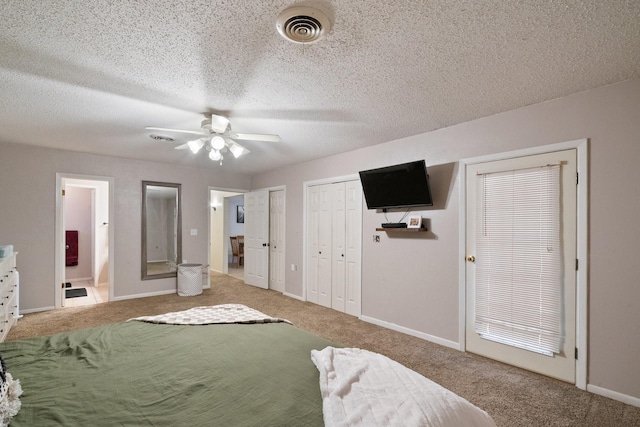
(194, 231)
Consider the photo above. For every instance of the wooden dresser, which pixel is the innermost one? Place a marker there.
(8, 294)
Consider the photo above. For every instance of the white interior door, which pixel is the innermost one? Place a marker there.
(353, 247)
(334, 245)
(312, 234)
(324, 245)
(338, 247)
(560, 364)
(256, 238)
(276, 239)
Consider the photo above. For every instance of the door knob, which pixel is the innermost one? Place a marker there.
(471, 258)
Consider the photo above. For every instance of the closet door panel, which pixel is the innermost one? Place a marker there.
(313, 231)
(338, 230)
(324, 245)
(353, 247)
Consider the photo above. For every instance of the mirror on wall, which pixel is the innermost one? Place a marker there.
(161, 229)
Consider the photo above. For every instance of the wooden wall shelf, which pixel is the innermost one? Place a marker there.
(402, 230)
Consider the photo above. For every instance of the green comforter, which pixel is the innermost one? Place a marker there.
(142, 374)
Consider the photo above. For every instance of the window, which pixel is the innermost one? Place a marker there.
(519, 258)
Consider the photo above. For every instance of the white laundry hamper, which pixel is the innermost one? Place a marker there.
(189, 279)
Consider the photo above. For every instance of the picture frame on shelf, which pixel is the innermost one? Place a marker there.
(414, 221)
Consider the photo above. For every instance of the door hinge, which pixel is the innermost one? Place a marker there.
(62, 285)
(577, 178)
(576, 353)
(576, 264)
(63, 193)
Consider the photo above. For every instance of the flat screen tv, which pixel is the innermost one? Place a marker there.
(398, 186)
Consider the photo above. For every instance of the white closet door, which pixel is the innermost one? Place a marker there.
(313, 233)
(324, 245)
(338, 233)
(353, 247)
(276, 240)
(256, 239)
(334, 242)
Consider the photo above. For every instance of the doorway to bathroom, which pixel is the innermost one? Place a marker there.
(84, 236)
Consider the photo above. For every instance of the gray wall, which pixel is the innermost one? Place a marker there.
(413, 283)
(27, 214)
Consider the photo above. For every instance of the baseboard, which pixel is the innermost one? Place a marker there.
(36, 310)
(150, 294)
(80, 279)
(414, 333)
(620, 397)
(298, 297)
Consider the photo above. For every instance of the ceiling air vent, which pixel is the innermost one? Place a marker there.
(302, 24)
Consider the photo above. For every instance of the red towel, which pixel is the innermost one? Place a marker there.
(71, 254)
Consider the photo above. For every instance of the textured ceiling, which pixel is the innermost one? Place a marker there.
(89, 75)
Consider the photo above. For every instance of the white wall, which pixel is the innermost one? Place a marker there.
(235, 227)
(27, 212)
(78, 216)
(413, 282)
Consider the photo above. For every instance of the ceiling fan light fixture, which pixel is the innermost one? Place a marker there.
(195, 145)
(218, 143)
(215, 155)
(237, 150)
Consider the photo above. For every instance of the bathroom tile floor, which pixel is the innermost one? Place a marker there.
(95, 294)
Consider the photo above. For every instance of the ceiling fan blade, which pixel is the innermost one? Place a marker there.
(182, 147)
(219, 124)
(254, 137)
(193, 132)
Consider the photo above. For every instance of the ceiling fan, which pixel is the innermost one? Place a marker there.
(217, 138)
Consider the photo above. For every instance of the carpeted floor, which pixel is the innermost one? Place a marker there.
(513, 397)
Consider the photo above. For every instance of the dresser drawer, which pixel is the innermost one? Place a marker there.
(8, 294)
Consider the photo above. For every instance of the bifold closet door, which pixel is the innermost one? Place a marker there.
(353, 247)
(312, 231)
(319, 245)
(338, 250)
(324, 244)
(334, 240)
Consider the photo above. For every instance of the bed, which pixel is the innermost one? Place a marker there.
(182, 369)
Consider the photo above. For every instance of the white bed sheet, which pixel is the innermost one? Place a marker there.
(362, 388)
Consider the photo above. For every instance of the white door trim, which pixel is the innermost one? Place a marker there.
(582, 147)
(59, 251)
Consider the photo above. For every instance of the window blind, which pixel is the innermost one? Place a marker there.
(519, 285)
